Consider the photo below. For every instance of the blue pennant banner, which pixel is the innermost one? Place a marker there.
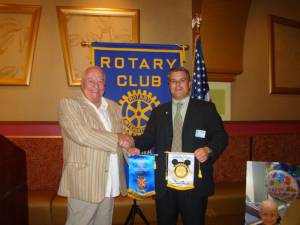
(136, 77)
(141, 176)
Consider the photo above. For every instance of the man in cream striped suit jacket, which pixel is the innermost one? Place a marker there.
(94, 149)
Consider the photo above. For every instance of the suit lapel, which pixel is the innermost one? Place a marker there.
(168, 112)
(112, 116)
(186, 129)
(188, 115)
(92, 114)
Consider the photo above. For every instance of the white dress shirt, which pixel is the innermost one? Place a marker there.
(112, 185)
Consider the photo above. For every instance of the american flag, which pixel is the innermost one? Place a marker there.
(200, 88)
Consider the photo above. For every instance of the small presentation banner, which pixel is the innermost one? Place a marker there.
(180, 174)
(141, 182)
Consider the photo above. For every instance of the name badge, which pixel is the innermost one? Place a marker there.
(200, 133)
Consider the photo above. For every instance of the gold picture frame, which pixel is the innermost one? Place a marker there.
(284, 56)
(78, 24)
(18, 34)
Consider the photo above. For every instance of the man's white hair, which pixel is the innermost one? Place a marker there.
(89, 69)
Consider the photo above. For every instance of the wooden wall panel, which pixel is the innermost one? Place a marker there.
(222, 32)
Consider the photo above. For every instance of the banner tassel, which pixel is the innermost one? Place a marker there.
(199, 172)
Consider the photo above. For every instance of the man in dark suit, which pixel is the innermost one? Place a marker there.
(201, 132)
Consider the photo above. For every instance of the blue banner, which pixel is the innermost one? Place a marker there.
(136, 77)
(141, 176)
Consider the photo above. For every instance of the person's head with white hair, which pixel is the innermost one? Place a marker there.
(93, 84)
(269, 212)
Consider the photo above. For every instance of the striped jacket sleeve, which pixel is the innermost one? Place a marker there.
(73, 124)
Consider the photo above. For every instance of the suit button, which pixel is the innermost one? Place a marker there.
(106, 171)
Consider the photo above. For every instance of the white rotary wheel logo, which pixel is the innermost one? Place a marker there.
(136, 109)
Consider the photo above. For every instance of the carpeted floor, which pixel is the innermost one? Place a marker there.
(224, 220)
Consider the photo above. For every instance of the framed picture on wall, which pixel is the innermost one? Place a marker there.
(221, 95)
(284, 55)
(18, 33)
(79, 24)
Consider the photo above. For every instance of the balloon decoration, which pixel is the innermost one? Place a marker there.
(283, 181)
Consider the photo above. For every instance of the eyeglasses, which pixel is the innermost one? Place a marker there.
(174, 82)
(94, 83)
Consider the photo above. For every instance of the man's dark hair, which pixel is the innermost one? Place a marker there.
(180, 69)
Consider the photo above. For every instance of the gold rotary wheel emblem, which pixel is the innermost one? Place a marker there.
(136, 109)
(181, 170)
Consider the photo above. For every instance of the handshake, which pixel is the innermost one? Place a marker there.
(126, 141)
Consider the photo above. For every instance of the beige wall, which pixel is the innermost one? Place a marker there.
(167, 21)
(250, 92)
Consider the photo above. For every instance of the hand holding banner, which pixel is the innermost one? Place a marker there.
(141, 176)
(180, 167)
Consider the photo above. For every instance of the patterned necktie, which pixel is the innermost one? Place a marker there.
(177, 130)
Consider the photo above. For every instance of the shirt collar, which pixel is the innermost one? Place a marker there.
(184, 101)
(103, 105)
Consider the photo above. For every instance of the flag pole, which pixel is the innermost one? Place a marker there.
(196, 22)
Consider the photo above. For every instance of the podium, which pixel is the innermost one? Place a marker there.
(13, 184)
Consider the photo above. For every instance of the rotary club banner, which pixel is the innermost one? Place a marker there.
(180, 173)
(136, 77)
(141, 176)
(272, 181)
